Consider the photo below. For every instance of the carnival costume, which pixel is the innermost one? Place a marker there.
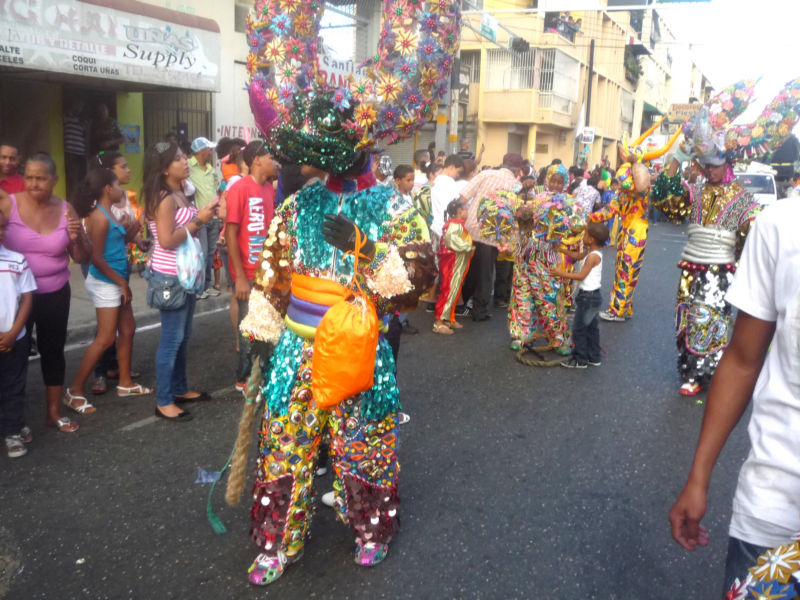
(314, 260)
(455, 250)
(538, 299)
(630, 206)
(719, 218)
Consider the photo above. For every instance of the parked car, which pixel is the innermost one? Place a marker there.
(759, 180)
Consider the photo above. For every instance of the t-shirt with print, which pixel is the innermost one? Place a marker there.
(250, 206)
(16, 279)
(766, 505)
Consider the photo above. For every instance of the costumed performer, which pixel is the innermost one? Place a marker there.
(306, 266)
(719, 214)
(455, 251)
(538, 299)
(630, 206)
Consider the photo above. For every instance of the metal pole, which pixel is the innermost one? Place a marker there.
(589, 86)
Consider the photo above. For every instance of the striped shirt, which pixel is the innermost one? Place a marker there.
(74, 135)
(163, 259)
(480, 186)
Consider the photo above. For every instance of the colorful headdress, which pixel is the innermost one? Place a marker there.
(633, 152)
(558, 169)
(306, 120)
(716, 140)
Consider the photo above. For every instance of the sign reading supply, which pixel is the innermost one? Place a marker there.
(86, 39)
(587, 135)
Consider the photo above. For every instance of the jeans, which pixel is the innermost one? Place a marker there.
(176, 329)
(13, 372)
(504, 273)
(585, 330)
(741, 556)
(208, 235)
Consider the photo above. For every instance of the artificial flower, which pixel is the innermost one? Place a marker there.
(397, 13)
(274, 51)
(758, 132)
(285, 92)
(288, 6)
(411, 99)
(428, 49)
(388, 87)
(406, 42)
(295, 49)
(440, 6)
(388, 117)
(362, 90)
(405, 69)
(252, 64)
(280, 24)
(777, 564)
(341, 99)
(770, 590)
(303, 24)
(365, 115)
(428, 22)
(428, 78)
(406, 124)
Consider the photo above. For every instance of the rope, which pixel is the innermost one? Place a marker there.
(239, 456)
(541, 361)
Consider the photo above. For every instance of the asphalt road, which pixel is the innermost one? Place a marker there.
(517, 481)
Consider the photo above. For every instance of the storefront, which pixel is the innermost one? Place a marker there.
(154, 69)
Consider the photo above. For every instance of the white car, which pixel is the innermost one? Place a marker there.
(761, 185)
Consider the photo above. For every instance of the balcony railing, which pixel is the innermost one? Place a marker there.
(556, 102)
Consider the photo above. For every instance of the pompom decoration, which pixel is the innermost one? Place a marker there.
(391, 278)
(263, 322)
(307, 121)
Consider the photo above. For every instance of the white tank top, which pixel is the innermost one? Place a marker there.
(592, 281)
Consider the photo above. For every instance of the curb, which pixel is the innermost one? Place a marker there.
(83, 333)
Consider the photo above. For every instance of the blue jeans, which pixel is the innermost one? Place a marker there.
(176, 329)
(741, 556)
(585, 329)
(208, 235)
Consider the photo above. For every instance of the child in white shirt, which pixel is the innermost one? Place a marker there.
(17, 285)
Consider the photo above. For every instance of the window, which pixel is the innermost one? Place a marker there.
(559, 81)
(512, 70)
(240, 17)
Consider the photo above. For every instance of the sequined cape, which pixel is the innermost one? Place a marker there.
(295, 244)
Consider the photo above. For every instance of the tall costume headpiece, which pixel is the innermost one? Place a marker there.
(716, 140)
(308, 121)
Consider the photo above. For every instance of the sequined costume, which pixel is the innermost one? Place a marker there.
(455, 251)
(719, 218)
(538, 299)
(363, 429)
(630, 209)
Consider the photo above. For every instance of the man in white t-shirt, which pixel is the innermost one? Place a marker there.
(762, 362)
(444, 190)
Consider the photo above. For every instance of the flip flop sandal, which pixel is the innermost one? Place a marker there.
(114, 374)
(443, 329)
(136, 390)
(85, 408)
(99, 386)
(455, 325)
(65, 424)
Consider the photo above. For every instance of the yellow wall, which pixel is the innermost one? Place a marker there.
(130, 111)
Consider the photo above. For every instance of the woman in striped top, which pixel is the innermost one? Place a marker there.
(170, 219)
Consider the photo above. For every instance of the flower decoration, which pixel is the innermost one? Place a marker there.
(405, 69)
(389, 115)
(274, 51)
(428, 22)
(388, 87)
(738, 590)
(362, 90)
(406, 42)
(771, 590)
(295, 49)
(411, 99)
(397, 12)
(341, 99)
(777, 564)
(365, 115)
(252, 64)
(280, 24)
(288, 6)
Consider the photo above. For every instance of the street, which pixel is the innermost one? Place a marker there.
(517, 481)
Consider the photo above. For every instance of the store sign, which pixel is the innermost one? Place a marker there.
(678, 113)
(87, 39)
(587, 135)
(337, 71)
(489, 27)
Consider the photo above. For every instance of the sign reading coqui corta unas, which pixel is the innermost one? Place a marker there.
(83, 38)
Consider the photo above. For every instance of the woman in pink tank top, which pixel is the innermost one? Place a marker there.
(170, 218)
(47, 231)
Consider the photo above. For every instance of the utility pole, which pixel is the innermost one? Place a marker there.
(589, 96)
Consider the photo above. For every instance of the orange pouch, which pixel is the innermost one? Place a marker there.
(344, 347)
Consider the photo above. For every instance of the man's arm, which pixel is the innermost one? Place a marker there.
(728, 398)
(242, 291)
(588, 265)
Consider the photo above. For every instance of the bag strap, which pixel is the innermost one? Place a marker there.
(360, 242)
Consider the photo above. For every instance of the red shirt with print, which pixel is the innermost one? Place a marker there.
(251, 207)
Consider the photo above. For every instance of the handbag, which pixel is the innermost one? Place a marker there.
(191, 264)
(164, 292)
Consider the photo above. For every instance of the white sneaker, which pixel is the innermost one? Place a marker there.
(202, 295)
(321, 471)
(327, 498)
(403, 418)
(212, 291)
(15, 446)
(607, 316)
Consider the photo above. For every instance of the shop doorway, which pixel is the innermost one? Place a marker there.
(185, 114)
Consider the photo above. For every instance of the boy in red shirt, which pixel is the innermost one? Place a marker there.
(250, 206)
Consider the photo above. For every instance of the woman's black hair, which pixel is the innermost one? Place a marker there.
(452, 209)
(90, 190)
(105, 159)
(433, 167)
(154, 185)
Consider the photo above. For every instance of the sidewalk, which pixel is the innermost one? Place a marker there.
(83, 320)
